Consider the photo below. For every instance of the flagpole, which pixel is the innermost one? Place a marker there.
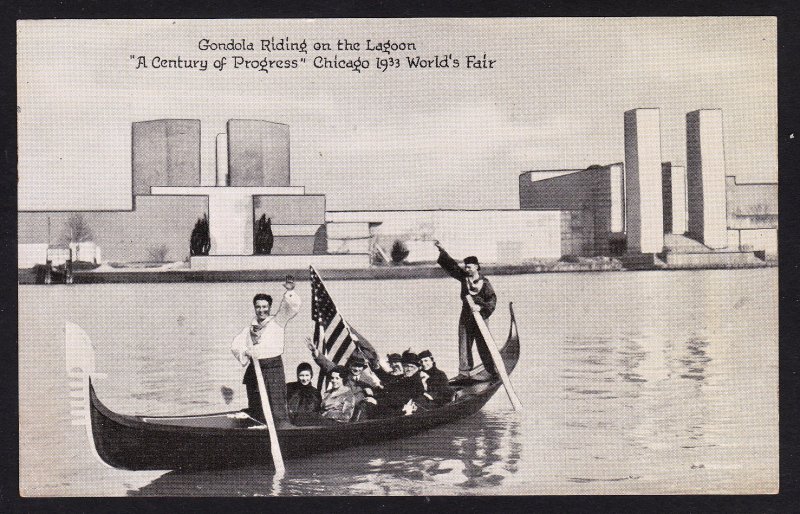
(318, 344)
(322, 283)
(326, 288)
(321, 331)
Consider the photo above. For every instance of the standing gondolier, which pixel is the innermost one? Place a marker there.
(478, 287)
(263, 340)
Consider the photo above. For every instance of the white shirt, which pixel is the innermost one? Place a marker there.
(271, 339)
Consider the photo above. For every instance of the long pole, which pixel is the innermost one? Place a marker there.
(498, 360)
(275, 448)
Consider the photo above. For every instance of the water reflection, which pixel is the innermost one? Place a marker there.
(695, 360)
(692, 364)
(467, 456)
(603, 369)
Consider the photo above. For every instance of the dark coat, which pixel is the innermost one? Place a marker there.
(485, 297)
(438, 388)
(397, 394)
(302, 399)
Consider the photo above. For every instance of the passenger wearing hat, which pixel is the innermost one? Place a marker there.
(302, 397)
(359, 378)
(390, 369)
(437, 392)
(475, 285)
(402, 392)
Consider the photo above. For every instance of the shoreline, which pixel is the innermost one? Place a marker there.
(400, 272)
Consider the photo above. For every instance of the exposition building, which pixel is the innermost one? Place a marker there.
(640, 208)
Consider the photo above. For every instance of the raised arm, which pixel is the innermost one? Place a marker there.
(290, 304)
(324, 363)
(448, 263)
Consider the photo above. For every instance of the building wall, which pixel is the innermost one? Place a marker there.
(230, 222)
(765, 240)
(491, 235)
(594, 196)
(644, 211)
(705, 173)
(577, 233)
(348, 238)
(222, 160)
(617, 188)
(165, 153)
(126, 236)
(258, 153)
(751, 206)
(293, 245)
(673, 185)
(290, 209)
(528, 177)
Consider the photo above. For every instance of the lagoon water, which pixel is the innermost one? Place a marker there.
(632, 382)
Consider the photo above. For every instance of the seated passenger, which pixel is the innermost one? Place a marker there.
(399, 396)
(302, 398)
(337, 402)
(390, 370)
(437, 391)
(359, 378)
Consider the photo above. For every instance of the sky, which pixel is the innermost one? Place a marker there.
(400, 139)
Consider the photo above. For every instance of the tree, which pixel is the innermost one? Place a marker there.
(263, 238)
(399, 252)
(200, 241)
(77, 229)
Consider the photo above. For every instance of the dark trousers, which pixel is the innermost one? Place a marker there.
(469, 334)
(275, 382)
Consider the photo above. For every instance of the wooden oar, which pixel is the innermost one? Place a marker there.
(275, 448)
(498, 360)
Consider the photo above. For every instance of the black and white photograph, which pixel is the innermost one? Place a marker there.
(397, 257)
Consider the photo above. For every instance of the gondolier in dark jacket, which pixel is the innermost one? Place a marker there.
(263, 340)
(477, 286)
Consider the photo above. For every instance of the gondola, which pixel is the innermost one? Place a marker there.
(222, 440)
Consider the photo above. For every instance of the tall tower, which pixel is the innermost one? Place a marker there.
(674, 188)
(644, 216)
(705, 173)
(165, 153)
(222, 160)
(258, 153)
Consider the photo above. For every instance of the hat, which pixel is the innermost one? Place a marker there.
(425, 353)
(394, 357)
(356, 359)
(410, 358)
(471, 260)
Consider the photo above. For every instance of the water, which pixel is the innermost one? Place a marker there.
(632, 382)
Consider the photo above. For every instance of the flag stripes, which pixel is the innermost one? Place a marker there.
(332, 334)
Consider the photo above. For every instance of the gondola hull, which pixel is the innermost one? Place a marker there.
(224, 441)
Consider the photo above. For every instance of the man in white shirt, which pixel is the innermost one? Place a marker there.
(263, 340)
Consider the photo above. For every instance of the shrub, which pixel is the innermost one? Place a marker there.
(399, 252)
(263, 238)
(200, 241)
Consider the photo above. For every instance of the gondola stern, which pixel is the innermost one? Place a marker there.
(511, 350)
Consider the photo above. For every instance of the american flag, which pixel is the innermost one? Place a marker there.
(332, 333)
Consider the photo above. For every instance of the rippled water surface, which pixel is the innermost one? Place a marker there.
(632, 382)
